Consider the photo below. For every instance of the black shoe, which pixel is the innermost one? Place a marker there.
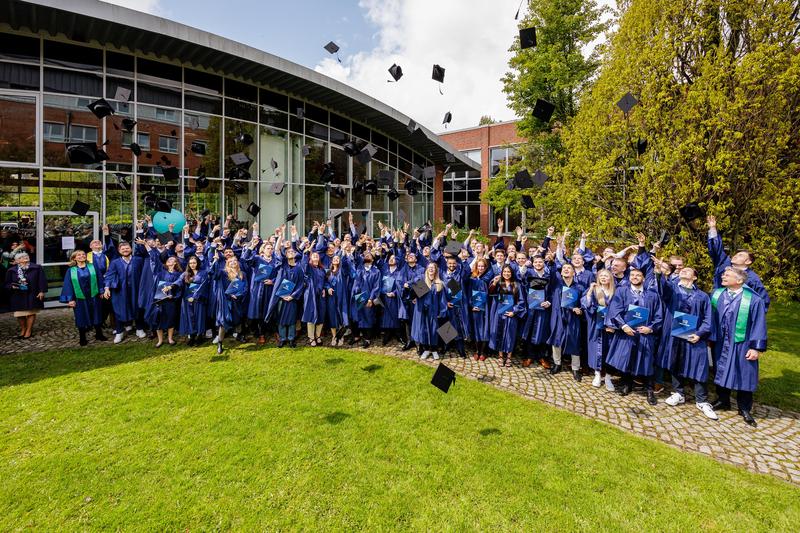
(651, 397)
(366, 343)
(293, 343)
(242, 338)
(748, 418)
(219, 348)
(385, 339)
(100, 337)
(83, 341)
(721, 406)
(555, 369)
(577, 375)
(626, 389)
(281, 344)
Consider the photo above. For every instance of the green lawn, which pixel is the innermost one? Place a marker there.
(779, 370)
(131, 438)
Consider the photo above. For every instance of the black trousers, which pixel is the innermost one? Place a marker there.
(744, 398)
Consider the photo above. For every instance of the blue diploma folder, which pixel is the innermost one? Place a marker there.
(387, 284)
(236, 288)
(600, 319)
(285, 289)
(193, 288)
(569, 297)
(360, 299)
(683, 325)
(637, 316)
(505, 304)
(263, 272)
(478, 300)
(454, 299)
(535, 298)
(160, 295)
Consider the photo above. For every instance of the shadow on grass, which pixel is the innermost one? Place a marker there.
(486, 432)
(334, 361)
(18, 369)
(372, 368)
(218, 358)
(336, 417)
(780, 391)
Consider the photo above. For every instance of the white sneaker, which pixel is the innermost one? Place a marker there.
(341, 342)
(141, 334)
(216, 340)
(435, 356)
(676, 398)
(235, 335)
(118, 338)
(707, 410)
(128, 329)
(424, 355)
(209, 334)
(609, 385)
(597, 381)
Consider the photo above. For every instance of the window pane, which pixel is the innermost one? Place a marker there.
(203, 102)
(317, 130)
(241, 110)
(18, 129)
(473, 219)
(112, 84)
(315, 161)
(242, 91)
(274, 118)
(71, 82)
(158, 95)
(159, 123)
(273, 101)
(314, 206)
(316, 114)
(62, 188)
(19, 187)
(19, 48)
(161, 187)
(13, 76)
(158, 72)
(195, 79)
(78, 123)
(205, 129)
(340, 163)
(298, 159)
(119, 64)
(273, 148)
(340, 123)
(233, 129)
(198, 200)
(237, 200)
(72, 56)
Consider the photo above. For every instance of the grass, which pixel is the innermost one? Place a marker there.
(779, 369)
(130, 438)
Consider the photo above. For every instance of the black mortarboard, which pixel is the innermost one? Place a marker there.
(396, 71)
(692, 211)
(331, 47)
(101, 155)
(416, 171)
(412, 126)
(447, 332)
(164, 205)
(202, 182)
(452, 248)
(371, 187)
(393, 194)
(82, 154)
(420, 288)
(641, 146)
(136, 149)
(454, 286)
(495, 169)
(447, 118)
(358, 186)
(443, 377)
(101, 108)
(238, 188)
(543, 110)
(527, 38)
(170, 173)
(429, 172)
(438, 73)
(450, 158)
(198, 148)
(241, 160)
(165, 237)
(539, 177)
(205, 213)
(306, 150)
(338, 192)
(664, 237)
(411, 187)
(350, 148)
(273, 164)
(244, 138)
(527, 202)
(291, 216)
(174, 133)
(128, 124)
(627, 102)
(122, 180)
(366, 155)
(80, 208)
(123, 94)
(150, 200)
(253, 209)
(522, 179)
(385, 178)
(537, 284)
(300, 112)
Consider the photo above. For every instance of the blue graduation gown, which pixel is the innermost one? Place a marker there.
(193, 314)
(229, 311)
(260, 291)
(312, 295)
(722, 261)
(503, 329)
(597, 339)
(565, 325)
(368, 282)
(478, 320)
(408, 277)
(335, 305)
(88, 312)
(163, 315)
(428, 310)
(122, 278)
(458, 313)
(633, 354)
(733, 370)
(286, 312)
(680, 356)
(536, 329)
(391, 304)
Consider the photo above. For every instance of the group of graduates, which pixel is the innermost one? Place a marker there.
(620, 313)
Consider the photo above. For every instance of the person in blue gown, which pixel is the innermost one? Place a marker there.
(565, 320)
(740, 329)
(366, 290)
(335, 301)
(194, 299)
(314, 274)
(428, 312)
(81, 291)
(264, 269)
(229, 290)
(595, 304)
(411, 272)
(457, 312)
(632, 349)
(163, 314)
(536, 329)
(478, 303)
(504, 319)
(284, 308)
(391, 289)
(122, 287)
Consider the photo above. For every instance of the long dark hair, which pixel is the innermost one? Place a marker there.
(512, 287)
(190, 272)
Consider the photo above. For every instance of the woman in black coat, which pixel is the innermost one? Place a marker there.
(27, 285)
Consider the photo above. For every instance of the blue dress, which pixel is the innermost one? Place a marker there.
(502, 328)
(733, 370)
(193, 313)
(163, 315)
(633, 354)
(88, 312)
(428, 311)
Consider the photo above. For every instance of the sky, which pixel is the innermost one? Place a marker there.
(469, 38)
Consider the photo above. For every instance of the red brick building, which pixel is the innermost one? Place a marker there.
(459, 199)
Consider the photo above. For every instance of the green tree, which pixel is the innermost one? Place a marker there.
(486, 120)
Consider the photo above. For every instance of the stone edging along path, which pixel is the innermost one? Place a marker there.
(772, 448)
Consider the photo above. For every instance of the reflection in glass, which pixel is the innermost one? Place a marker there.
(341, 163)
(314, 161)
(314, 206)
(19, 187)
(19, 228)
(198, 200)
(273, 148)
(162, 125)
(205, 131)
(72, 56)
(67, 120)
(15, 76)
(62, 188)
(72, 82)
(235, 142)
(18, 128)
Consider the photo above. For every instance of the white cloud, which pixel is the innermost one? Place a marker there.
(146, 6)
(469, 38)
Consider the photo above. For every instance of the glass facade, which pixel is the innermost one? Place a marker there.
(185, 118)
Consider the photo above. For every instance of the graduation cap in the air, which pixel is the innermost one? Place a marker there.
(429, 172)
(457, 214)
(539, 177)
(276, 188)
(452, 248)
(291, 216)
(198, 148)
(495, 169)
(366, 155)
(128, 124)
(411, 187)
(163, 205)
(416, 171)
(527, 38)
(101, 108)
(122, 180)
(333, 48)
(385, 177)
(447, 332)
(412, 126)
(338, 192)
(244, 138)
(174, 133)
(522, 179)
(443, 377)
(273, 164)
(543, 110)
(306, 150)
(80, 208)
(123, 94)
(170, 173)
(527, 202)
(641, 146)
(150, 200)
(253, 209)
(164, 238)
(396, 71)
(350, 148)
(393, 194)
(136, 149)
(371, 187)
(358, 186)
(627, 102)
(300, 112)
(692, 211)
(241, 160)
(84, 154)
(447, 118)
(420, 288)
(438, 73)
(537, 284)
(202, 182)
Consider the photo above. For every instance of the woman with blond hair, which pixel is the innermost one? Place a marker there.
(230, 294)
(428, 310)
(81, 291)
(594, 303)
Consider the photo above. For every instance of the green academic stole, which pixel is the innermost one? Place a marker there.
(742, 316)
(73, 274)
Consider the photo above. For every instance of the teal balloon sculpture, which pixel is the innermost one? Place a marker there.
(161, 220)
